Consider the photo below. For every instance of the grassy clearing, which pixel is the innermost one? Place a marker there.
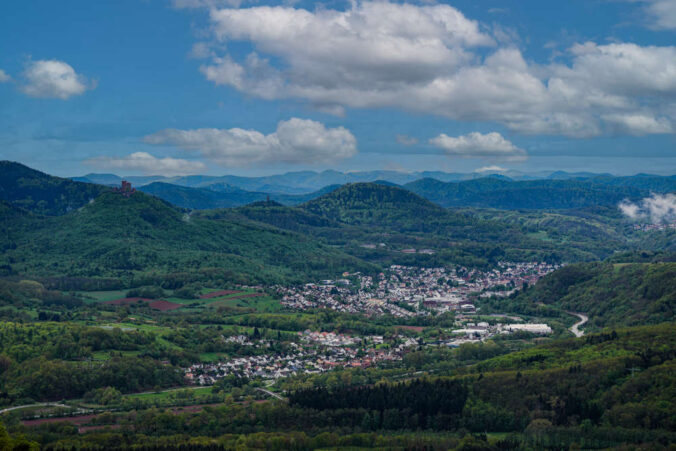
(31, 312)
(262, 304)
(134, 326)
(164, 395)
(183, 301)
(209, 357)
(540, 235)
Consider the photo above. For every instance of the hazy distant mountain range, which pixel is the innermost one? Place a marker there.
(307, 181)
(551, 190)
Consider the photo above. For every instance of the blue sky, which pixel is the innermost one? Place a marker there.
(250, 87)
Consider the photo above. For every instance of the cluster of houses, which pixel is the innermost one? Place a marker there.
(338, 296)
(331, 339)
(317, 352)
(658, 226)
(241, 340)
(408, 291)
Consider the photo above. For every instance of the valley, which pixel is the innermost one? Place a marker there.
(270, 225)
(126, 319)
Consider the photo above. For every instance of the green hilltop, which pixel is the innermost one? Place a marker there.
(41, 193)
(118, 236)
(374, 204)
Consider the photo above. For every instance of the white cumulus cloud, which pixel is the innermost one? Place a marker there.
(475, 144)
(639, 124)
(4, 76)
(427, 58)
(294, 141)
(148, 164)
(661, 13)
(53, 79)
(492, 168)
(657, 208)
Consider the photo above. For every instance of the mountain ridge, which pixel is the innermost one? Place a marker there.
(300, 182)
(125, 236)
(41, 193)
(540, 194)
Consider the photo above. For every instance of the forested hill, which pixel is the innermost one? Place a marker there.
(9, 212)
(118, 236)
(373, 203)
(41, 193)
(493, 192)
(275, 214)
(612, 295)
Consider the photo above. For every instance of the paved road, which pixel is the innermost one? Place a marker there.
(44, 404)
(268, 392)
(575, 329)
(54, 404)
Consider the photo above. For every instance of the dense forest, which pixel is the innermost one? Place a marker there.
(41, 193)
(116, 236)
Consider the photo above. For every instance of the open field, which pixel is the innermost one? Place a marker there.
(257, 301)
(166, 394)
(212, 298)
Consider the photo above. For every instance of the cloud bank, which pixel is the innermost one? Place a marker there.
(433, 59)
(490, 145)
(658, 208)
(148, 164)
(492, 168)
(661, 14)
(295, 141)
(53, 79)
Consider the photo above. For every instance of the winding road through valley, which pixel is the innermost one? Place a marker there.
(41, 404)
(575, 329)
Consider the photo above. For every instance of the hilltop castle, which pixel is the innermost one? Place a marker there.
(125, 189)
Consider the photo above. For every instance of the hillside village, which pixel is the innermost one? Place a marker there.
(650, 227)
(317, 352)
(409, 291)
(401, 292)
